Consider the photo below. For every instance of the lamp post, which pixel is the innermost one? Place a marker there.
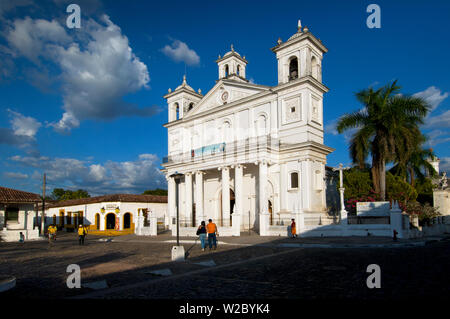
(177, 177)
(343, 212)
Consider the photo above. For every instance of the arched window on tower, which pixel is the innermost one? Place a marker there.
(293, 69)
(191, 106)
(226, 70)
(177, 111)
(238, 70)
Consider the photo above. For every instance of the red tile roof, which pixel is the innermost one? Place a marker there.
(130, 198)
(9, 195)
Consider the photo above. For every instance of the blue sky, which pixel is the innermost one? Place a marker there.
(125, 56)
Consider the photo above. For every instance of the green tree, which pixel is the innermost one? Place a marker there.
(60, 194)
(386, 126)
(413, 162)
(357, 183)
(158, 191)
(399, 190)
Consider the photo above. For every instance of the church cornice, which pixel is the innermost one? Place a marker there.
(232, 54)
(182, 90)
(309, 145)
(304, 79)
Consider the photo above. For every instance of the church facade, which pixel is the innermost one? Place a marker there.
(251, 157)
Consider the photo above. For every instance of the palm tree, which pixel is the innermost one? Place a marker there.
(414, 164)
(387, 126)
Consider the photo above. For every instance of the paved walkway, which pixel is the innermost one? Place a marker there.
(273, 241)
(131, 265)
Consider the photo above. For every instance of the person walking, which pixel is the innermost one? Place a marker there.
(293, 229)
(82, 232)
(201, 232)
(212, 232)
(51, 232)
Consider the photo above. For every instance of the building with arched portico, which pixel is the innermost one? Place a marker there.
(251, 156)
(115, 214)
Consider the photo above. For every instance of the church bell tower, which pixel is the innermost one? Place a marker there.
(232, 66)
(300, 56)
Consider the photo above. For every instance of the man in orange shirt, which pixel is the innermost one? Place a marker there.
(211, 228)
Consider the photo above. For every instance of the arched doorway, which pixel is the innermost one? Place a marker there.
(97, 221)
(127, 221)
(110, 221)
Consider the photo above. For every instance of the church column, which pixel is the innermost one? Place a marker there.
(238, 187)
(188, 197)
(199, 197)
(306, 185)
(262, 187)
(283, 186)
(263, 204)
(238, 196)
(225, 196)
(171, 199)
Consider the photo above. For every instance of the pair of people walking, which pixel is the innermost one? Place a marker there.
(209, 230)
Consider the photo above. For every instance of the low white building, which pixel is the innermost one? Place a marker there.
(18, 214)
(251, 156)
(115, 214)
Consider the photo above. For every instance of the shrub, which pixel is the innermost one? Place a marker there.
(424, 212)
(399, 190)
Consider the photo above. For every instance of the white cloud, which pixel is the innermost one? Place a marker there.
(24, 125)
(14, 175)
(433, 96)
(179, 51)
(440, 120)
(436, 137)
(29, 37)
(22, 133)
(98, 67)
(330, 127)
(437, 123)
(110, 177)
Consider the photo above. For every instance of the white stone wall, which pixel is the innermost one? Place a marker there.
(441, 199)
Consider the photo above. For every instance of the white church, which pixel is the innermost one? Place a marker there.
(249, 156)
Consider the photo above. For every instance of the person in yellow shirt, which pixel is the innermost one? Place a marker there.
(211, 228)
(82, 232)
(51, 231)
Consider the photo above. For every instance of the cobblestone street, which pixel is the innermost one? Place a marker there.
(245, 267)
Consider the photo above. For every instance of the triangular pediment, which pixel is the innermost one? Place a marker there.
(225, 92)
